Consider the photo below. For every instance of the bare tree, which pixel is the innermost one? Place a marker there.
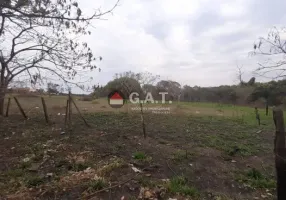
(239, 74)
(274, 48)
(39, 38)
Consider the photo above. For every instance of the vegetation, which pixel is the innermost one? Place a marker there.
(52, 88)
(179, 185)
(139, 156)
(97, 184)
(46, 31)
(211, 147)
(254, 178)
(212, 152)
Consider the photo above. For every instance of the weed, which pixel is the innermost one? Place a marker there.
(15, 173)
(179, 185)
(79, 166)
(139, 156)
(142, 157)
(62, 163)
(180, 155)
(255, 179)
(254, 174)
(25, 165)
(221, 197)
(38, 156)
(95, 185)
(32, 181)
(146, 182)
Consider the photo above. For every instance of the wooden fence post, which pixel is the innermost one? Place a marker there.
(8, 106)
(70, 111)
(257, 116)
(67, 111)
(45, 110)
(79, 113)
(20, 108)
(143, 122)
(280, 152)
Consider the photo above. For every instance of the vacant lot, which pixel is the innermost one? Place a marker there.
(198, 151)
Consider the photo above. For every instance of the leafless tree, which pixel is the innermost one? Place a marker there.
(239, 74)
(40, 38)
(273, 47)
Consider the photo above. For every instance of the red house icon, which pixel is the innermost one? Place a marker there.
(116, 99)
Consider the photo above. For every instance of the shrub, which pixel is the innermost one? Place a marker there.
(86, 98)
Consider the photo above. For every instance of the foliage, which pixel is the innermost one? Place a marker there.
(251, 81)
(32, 181)
(97, 184)
(86, 98)
(139, 156)
(179, 185)
(38, 41)
(125, 84)
(270, 92)
(241, 94)
(172, 87)
(52, 88)
(254, 178)
(40, 91)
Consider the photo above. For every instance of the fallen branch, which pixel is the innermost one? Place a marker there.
(171, 168)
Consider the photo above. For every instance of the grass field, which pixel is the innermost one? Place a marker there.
(197, 151)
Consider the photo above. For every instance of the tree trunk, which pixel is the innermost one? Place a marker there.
(3, 85)
(2, 100)
(266, 108)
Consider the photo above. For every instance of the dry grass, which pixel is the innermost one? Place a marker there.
(194, 147)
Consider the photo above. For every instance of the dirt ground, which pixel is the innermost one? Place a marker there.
(185, 155)
(57, 105)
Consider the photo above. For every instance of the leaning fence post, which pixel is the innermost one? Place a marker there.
(8, 107)
(79, 112)
(280, 153)
(45, 109)
(20, 108)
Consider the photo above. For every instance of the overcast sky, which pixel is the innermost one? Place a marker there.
(194, 42)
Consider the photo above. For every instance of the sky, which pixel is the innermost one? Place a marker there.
(194, 42)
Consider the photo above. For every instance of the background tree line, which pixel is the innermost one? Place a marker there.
(244, 93)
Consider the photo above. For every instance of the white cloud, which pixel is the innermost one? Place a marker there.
(191, 41)
(232, 9)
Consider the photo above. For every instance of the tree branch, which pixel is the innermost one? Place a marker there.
(33, 15)
(2, 25)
